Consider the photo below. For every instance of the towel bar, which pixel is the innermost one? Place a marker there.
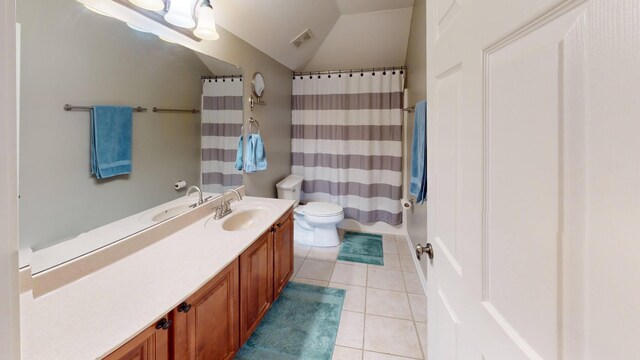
(68, 107)
(192, 111)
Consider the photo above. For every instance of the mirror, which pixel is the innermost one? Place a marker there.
(71, 55)
(257, 85)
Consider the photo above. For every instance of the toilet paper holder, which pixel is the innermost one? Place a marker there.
(407, 204)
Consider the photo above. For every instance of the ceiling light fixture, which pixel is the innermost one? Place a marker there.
(206, 29)
(153, 5)
(184, 14)
(180, 13)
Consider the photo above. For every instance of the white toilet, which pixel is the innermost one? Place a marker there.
(315, 223)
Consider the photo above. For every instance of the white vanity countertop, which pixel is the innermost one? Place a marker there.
(95, 315)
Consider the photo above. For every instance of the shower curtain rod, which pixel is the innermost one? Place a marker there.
(214, 77)
(346, 71)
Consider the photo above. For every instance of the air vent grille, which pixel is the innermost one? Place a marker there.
(304, 36)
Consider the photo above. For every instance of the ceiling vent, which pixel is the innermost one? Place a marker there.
(304, 36)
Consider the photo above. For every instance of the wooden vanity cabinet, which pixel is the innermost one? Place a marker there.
(256, 284)
(206, 324)
(213, 323)
(282, 253)
(151, 344)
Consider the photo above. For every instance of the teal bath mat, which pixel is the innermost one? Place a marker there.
(362, 247)
(301, 324)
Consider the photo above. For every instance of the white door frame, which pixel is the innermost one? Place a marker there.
(9, 297)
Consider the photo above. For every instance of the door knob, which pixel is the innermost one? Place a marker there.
(427, 249)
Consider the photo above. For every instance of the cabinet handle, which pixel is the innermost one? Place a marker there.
(184, 307)
(164, 324)
(273, 229)
(279, 224)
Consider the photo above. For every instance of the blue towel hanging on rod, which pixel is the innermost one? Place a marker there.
(418, 184)
(111, 128)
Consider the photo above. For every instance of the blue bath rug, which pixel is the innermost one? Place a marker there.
(362, 247)
(301, 324)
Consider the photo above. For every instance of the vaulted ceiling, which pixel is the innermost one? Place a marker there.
(345, 33)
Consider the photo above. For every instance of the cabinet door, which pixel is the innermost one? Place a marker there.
(151, 344)
(256, 284)
(282, 254)
(206, 324)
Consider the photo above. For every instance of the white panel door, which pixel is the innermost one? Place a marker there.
(515, 136)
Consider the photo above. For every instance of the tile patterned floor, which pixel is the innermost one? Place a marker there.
(385, 309)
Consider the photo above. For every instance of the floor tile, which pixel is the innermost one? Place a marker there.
(404, 248)
(345, 353)
(391, 336)
(311, 281)
(388, 237)
(406, 261)
(412, 281)
(385, 279)
(300, 251)
(370, 355)
(391, 262)
(297, 264)
(324, 253)
(349, 274)
(418, 307)
(389, 246)
(316, 270)
(355, 296)
(388, 303)
(351, 330)
(422, 335)
(353, 263)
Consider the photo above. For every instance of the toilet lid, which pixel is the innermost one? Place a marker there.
(322, 209)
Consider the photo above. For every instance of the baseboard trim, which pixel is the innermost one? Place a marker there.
(416, 262)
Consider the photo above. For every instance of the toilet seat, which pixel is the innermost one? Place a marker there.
(320, 209)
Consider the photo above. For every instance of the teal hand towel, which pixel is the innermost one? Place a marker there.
(111, 129)
(261, 153)
(238, 164)
(418, 183)
(256, 156)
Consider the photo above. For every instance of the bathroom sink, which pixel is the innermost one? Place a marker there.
(168, 213)
(244, 219)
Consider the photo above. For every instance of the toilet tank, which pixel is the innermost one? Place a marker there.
(289, 188)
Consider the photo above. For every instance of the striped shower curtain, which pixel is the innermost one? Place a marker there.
(347, 142)
(221, 128)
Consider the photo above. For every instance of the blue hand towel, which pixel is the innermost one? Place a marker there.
(256, 156)
(418, 184)
(111, 128)
(261, 153)
(238, 165)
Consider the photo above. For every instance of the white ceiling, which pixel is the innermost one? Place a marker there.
(380, 30)
(366, 40)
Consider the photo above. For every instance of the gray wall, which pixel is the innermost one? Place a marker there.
(416, 218)
(274, 118)
(71, 55)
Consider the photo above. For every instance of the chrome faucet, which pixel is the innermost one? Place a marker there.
(197, 189)
(224, 208)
